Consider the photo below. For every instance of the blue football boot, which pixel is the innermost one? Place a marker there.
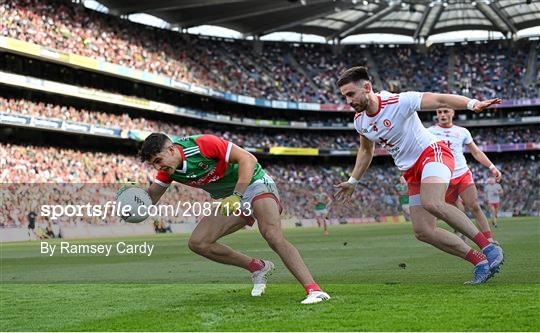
(495, 257)
(482, 273)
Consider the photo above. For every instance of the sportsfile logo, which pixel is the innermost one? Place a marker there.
(110, 209)
(114, 209)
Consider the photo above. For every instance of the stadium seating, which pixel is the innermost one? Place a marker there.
(282, 71)
(27, 165)
(253, 138)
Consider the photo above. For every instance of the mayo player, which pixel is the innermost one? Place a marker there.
(462, 183)
(321, 208)
(232, 174)
(391, 120)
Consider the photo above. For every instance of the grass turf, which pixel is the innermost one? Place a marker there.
(174, 290)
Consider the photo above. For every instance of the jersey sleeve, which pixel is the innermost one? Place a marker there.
(411, 100)
(163, 179)
(468, 137)
(214, 147)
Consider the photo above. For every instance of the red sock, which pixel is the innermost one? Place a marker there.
(255, 265)
(481, 240)
(312, 287)
(475, 257)
(488, 234)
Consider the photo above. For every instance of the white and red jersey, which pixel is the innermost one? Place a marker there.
(454, 137)
(492, 191)
(397, 127)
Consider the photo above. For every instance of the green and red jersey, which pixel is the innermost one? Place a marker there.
(205, 165)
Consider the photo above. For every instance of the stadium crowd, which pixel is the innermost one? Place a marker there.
(280, 71)
(493, 70)
(254, 138)
(33, 176)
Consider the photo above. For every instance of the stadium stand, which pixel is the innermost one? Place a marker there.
(282, 71)
(253, 138)
(278, 71)
(91, 173)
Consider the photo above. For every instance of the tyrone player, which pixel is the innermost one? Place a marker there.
(392, 121)
(494, 192)
(462, 183)
(227, 171)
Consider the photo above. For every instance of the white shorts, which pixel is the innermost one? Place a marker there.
(259, 189)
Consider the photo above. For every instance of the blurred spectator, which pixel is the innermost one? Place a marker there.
(282, 71)
(35, 176)
(317, 139)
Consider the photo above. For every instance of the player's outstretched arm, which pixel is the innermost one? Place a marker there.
(363, 160)
(431, 101)
(484, 160)
(155, 191)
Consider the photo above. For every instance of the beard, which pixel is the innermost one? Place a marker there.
(361, 105)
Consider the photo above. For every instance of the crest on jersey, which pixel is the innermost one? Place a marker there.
(202, 165)
(387, 123)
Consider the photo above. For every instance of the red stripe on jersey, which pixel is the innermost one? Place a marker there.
(357, 114)
(385, 104)
(378, 109)
(390, 99)
(181, 152)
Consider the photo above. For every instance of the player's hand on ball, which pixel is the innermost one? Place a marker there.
(345, 191)
(230, 204)
(481, 105)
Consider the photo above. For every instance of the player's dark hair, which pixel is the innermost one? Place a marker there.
(354, 74)
(153, 145)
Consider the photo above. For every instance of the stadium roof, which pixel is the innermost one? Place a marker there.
(337, 19)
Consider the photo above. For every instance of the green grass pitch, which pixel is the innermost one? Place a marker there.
(175, 290)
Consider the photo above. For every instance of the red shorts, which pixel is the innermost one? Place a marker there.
(458, 185)
(436, 152)
(495, 205)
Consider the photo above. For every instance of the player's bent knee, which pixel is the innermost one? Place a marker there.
(434, 207)
(273, 237)
(198, 246)
(421, 236)
(475, 207)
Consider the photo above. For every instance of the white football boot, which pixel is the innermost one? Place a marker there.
(260, 277)
(316, 297)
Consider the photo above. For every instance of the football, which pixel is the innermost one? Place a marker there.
(133, 197)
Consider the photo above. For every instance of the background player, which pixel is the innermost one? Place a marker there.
(392, 121)
(322, 200)
(403, 197)
(494, 192)
(462, 183)
(227, 171)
